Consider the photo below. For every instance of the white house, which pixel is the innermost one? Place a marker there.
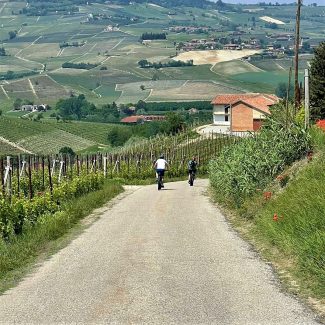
(241, 112)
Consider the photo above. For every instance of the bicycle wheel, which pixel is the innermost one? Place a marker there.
(191, 179)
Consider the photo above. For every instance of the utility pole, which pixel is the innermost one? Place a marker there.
(297, 43)
(306, 99)
(287, 99)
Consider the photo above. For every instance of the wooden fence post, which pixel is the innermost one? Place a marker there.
(30, 178)
(18, 175)
(2, 176)
(50, 175)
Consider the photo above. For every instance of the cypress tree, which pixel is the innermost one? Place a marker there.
(317, 83)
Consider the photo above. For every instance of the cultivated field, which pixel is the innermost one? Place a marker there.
(36, 49)
(191, 90)
(5, 148)
(39, 137)
(272, 20)
(214, 56)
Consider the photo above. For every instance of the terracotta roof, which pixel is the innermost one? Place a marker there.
(136, 118)
(132, 119)
(256, 100)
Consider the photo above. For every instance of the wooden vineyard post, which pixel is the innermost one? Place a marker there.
(30, 183)
(138, 165)
(105, 166)
(2, 176)
(70, 158)
(111, 164)
(50, 175)
(7, 178)
(18, 176)
(78, 166)
(65, 165)
(61, 170)
(43, 173)
(53, 167)
(87, 164)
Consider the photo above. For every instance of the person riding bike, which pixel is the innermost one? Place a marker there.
(192, 168)
(161, 165)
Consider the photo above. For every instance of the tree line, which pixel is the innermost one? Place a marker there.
(158, 65)
(82, 65)
(10, 75)
(73, 44)
(153, 36)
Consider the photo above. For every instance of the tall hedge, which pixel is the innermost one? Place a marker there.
(253, 162)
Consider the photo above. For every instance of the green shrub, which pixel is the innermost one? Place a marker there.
(22, 212)
(252, 163)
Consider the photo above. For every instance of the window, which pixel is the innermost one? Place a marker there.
(227, 109)
(226, 118)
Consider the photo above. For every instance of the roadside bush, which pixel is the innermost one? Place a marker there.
(252, 163)
(22, 212)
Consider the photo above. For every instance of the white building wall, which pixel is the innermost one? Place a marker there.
(258, 115)
(219, 115)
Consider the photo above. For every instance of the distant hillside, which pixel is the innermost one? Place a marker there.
(203, 4)
(306, 2)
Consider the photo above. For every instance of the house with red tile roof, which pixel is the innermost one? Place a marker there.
(241, 112)
(142, 118)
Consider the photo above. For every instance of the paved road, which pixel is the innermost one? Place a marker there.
(165, 257)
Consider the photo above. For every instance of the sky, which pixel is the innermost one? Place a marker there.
(319, 2)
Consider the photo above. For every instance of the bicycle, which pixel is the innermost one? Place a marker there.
(192, 177)
(160, 181)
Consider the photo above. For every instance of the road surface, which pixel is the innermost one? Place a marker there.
(165, 257)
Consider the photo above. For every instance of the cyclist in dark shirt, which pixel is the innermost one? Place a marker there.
(192, 168)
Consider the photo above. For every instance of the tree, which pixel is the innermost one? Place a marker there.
(281, 90)
(67, 151)
(141, 105)
(12, 34)
(117, 136)
(317, 83)
(142, 87)
(17, 104)
(306, 46)
(2, 51)
(174, 122)
(143, 63)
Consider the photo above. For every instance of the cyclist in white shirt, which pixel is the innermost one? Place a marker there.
(161, 165)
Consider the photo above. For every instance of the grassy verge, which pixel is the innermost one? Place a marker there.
(51, 233)
(289, 228)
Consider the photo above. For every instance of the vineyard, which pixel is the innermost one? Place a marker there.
(32, 186)
(38, 137)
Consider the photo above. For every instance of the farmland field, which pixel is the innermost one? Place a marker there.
(39, 137)
(5, 148)
(95, 132)
(37, 48)
(191, 90)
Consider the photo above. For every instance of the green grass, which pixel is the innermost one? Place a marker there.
(295, 243)
(46, 237)
(301, 232)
